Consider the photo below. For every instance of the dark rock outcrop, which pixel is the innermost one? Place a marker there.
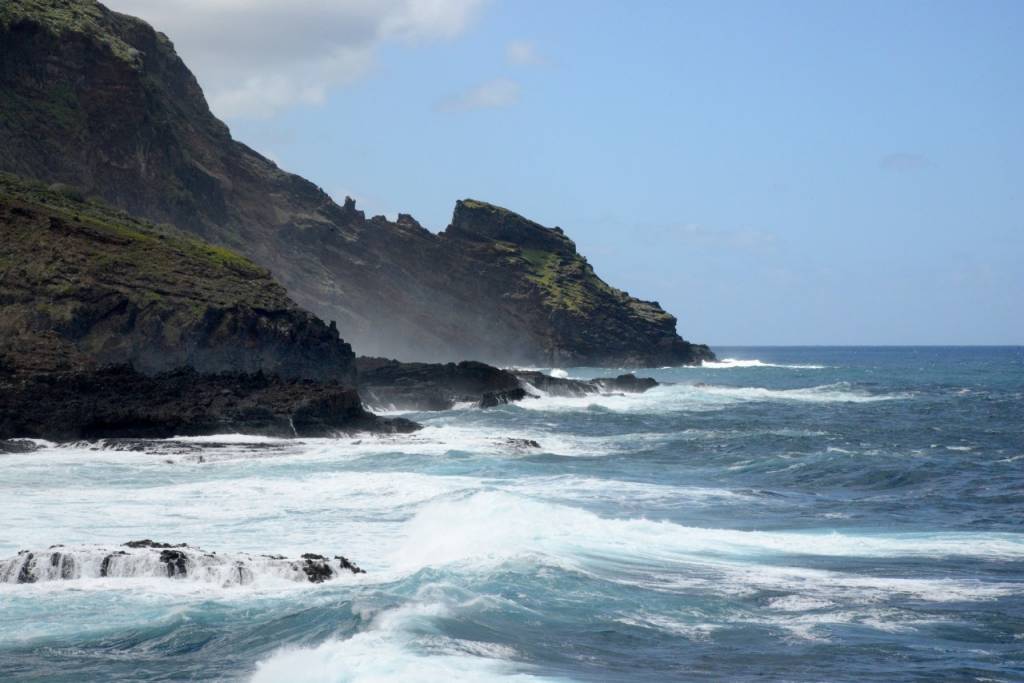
(561, 386)
(628, 383)
(205, 342)
(319, 568)
(17, 446)
(148, 543)
(499, 398)
(83, 286)
(393, 385)
(138, 559)
(119, 402)
(100, 101)
(522, 444)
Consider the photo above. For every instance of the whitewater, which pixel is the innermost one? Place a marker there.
(842, 514)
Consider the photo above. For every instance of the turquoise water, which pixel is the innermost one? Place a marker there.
(820, 514)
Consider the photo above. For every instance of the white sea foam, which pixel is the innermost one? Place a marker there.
(233, 439)
(798, 603)
(589, 489)
(728, 363)
(669, 398)
(558, 372)
(493, 527)
(398, 646)
(827, 393)
(692, 631)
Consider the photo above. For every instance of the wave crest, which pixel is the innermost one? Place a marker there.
(727, 363)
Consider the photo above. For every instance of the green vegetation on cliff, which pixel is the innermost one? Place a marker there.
(85, 285)
(69, 16)
(550, 261)
(99, 100)
(187, 267)
(568, 284)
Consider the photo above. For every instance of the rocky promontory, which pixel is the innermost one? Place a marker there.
(114, 327)
(101, 101)
(118, 402)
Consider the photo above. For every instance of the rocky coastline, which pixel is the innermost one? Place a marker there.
(119, 402)
(100, 101)
(160, 279)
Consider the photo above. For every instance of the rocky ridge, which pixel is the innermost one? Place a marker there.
(100, 101)
(83, 286)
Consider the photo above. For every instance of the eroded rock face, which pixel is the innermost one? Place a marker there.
(149, 559)
(119, 402)
(83, 286)
(103, 103)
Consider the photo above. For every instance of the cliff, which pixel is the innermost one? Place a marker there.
(111, 326)
(83, 286)
(100, 101)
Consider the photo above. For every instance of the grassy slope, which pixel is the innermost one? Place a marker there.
(68, 16)
(130, 254)
(63, 257)
(566, 280)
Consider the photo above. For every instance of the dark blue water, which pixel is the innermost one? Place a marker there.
(842, 514)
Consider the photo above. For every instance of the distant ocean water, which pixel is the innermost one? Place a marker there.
(841, 514)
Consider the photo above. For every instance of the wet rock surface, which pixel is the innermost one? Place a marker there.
(497, 398)
(152, 559)
(394, 385)
(386, 383)
(17, 446)
(522, 444)
(565, 387)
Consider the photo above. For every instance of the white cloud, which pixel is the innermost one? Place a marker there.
(257, 57)
(523, 53)
(495, 94)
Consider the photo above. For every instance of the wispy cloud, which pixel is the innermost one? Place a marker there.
(495, 94)
(255, 59)
(904, 161)
(523, 53)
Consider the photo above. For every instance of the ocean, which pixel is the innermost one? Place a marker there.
(797, 514)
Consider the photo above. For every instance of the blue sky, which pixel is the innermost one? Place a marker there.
(771, 172)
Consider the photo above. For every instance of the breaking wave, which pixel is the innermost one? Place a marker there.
(700, 396)
(399, 645)
(814, 518)
(727, 363)
(493, 527)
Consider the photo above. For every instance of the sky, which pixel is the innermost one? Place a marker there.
(778, 172)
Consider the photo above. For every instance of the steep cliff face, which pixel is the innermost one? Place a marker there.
(534, 275)
(100, 100)
(83, 286)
